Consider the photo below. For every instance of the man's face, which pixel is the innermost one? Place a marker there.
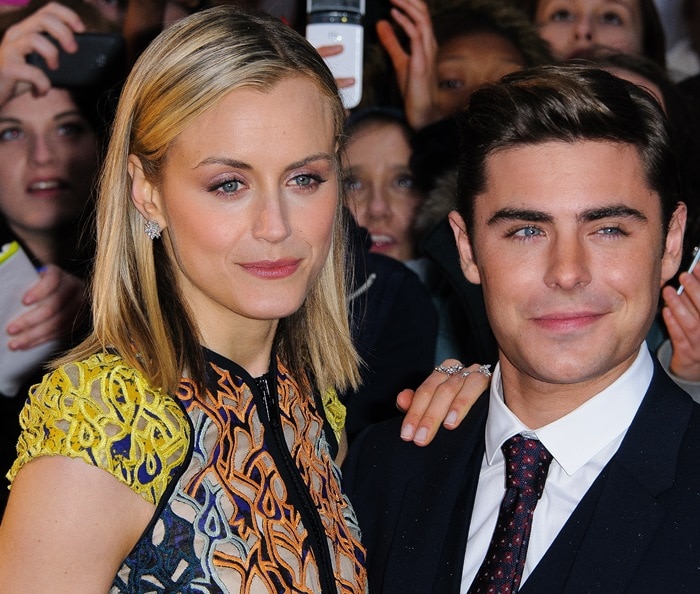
(569, 249)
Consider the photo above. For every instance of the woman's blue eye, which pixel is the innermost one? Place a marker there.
(451, 84)
(352, 184)
(72, 129)
(561, 16)
(304, 180)
(307, 181)
(406, 181)
(10, 134)
(611, 18)
(230, 186)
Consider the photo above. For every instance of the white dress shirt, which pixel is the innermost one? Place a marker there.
(581, 443)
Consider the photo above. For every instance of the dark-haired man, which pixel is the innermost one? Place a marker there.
(578, 471)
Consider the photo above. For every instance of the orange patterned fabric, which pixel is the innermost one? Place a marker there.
(243, 504)
(235, 521)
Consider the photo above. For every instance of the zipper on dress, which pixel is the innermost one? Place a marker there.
(309, 513)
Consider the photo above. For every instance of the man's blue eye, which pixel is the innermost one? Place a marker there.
(528, 232)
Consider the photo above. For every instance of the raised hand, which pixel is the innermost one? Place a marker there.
(415, 71)
(681, 315)
(27, 36)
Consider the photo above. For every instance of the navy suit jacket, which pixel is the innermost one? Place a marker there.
(637, 529)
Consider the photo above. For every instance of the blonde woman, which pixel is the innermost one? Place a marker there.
(182, 446)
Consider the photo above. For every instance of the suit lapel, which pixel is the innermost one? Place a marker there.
(435, 511)
(449, 578)
(604, 541)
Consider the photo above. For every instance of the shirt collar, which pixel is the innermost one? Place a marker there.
(578, 436)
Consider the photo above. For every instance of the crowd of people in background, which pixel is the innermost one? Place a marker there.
(408, 306)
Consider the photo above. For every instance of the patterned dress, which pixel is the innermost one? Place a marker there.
(247, 495)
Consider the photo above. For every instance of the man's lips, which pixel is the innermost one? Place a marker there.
(272, 269)
(568, 321)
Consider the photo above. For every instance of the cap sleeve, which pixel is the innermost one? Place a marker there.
(103, 412)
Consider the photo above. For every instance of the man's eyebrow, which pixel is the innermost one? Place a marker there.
(615, 211)
(520, 214)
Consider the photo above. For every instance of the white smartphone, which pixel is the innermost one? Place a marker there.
(331, 22)
(693, 264)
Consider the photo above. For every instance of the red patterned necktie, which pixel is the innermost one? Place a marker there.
(527, 463)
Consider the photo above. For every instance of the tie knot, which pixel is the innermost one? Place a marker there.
(527, 463)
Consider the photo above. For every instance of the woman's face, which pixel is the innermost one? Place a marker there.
(382, 193)
(467, 61)
(248, 197)
(573, 26)
(113, 10)
(47, 162)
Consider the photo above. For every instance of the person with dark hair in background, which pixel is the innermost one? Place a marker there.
(569, 216)
(574, 26)
(51, 139)
(394, 321)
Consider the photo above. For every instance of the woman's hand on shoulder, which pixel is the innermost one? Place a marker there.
(444, 398)
(68, 527)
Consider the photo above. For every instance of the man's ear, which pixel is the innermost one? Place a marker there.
(144, 194)
(464, 247)
(673, 248)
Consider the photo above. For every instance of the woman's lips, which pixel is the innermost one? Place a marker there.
(46, 186)
(272, 269)
(381, 241)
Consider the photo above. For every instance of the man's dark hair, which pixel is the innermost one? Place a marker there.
(571, 103)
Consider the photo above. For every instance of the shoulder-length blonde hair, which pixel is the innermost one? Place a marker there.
(137, 307)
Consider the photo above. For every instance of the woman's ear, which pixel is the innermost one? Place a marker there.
(464, 247)
(144, 194)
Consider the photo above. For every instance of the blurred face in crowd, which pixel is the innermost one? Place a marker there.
(47, 162)
(572, 26)
(113, 10)
(382, 193)
(467, 61)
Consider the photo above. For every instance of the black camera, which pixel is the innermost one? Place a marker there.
(100, 59)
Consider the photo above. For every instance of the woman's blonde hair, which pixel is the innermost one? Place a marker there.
(137, 307)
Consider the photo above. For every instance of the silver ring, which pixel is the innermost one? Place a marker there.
(450, 369)
(483, 370)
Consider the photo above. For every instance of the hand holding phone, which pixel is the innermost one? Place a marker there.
(693, 264)
(339, 23)
(29, 35)
(100, 58)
